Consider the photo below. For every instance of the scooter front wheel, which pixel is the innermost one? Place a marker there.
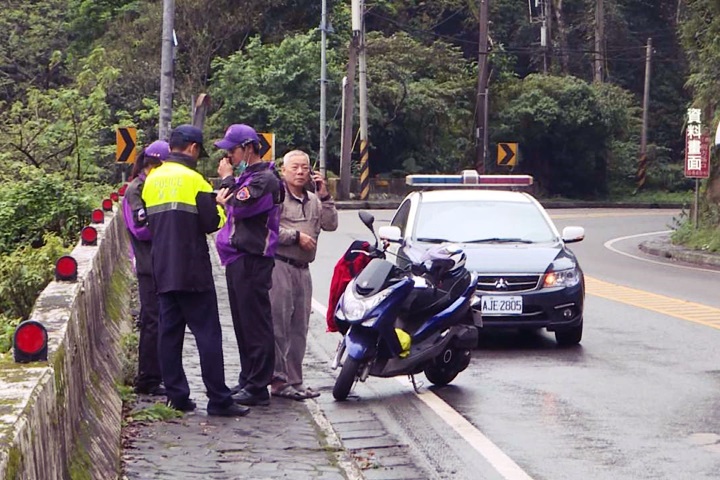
(346, 379)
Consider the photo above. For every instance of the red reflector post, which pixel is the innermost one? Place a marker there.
(114, 196)
(30, 342)
(107, 205)
(88, 236)
(121, 190)
(66, 268)
(98, 216)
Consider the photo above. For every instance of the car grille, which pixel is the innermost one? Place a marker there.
(507, 283)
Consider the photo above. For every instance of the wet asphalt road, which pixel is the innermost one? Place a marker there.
(640, 399)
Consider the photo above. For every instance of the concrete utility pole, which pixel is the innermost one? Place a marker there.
(349, 104)
(166, 69)
(599, 73)
(358, 27)
(642, 164)
(482, 89)
(323, 89)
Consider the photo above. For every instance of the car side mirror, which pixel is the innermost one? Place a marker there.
(390, 233)
(573, 234)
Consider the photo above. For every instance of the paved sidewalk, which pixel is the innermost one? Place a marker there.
(288, 439)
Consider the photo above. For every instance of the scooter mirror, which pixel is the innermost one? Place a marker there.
(367, 219)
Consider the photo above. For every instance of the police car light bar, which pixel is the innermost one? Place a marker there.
(469, 178)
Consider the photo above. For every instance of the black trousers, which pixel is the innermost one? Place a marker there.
(149, 375)
(199, 311)
(249, 279)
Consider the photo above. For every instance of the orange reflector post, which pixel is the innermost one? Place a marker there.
(30, 342)
(66, 268)
(98, 216)
(88, 236)
(107, 205)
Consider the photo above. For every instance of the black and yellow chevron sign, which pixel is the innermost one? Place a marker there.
(126, 139)
(507, 154)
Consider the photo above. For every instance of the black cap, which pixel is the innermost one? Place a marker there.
(189, 134)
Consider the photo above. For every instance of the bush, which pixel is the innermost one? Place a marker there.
(24, 274)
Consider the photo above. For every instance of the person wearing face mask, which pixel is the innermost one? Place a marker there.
(303, 215)
(246, 247)
(181, 211)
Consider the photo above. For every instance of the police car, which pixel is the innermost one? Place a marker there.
(528, 277)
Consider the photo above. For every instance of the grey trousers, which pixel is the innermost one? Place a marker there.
(291, 298)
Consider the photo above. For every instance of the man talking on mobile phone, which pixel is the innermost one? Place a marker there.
(303, 215)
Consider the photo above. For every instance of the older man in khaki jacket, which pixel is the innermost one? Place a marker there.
(303, 216)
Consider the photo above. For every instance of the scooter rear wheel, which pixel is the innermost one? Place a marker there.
(346, 379)
(446, 367)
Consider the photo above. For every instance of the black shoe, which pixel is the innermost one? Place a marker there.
(243, 397)
(156, 391)
(232, 410)
(236, 389)
(187, 406)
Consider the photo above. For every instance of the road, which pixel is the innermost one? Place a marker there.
(639, 399)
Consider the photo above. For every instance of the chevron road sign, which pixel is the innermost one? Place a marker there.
(507, 154)
(267, 146)
(126, 138)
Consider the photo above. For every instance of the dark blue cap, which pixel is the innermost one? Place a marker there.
(189, 134)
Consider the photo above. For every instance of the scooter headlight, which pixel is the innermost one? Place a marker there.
(356, 308)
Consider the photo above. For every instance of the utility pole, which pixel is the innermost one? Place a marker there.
(599, 74)
(481, 103)
(358, 26)
(544, 35)
(323, 89)
(642, 164)
(349, 103)
(166, 69)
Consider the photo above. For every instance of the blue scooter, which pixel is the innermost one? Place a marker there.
(404, 321)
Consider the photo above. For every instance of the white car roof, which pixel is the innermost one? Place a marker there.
(464, 195)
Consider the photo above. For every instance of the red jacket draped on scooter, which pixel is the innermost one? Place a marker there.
(347, 268)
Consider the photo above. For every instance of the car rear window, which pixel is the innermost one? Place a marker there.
(476, 221)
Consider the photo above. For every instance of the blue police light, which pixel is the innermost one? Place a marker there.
(30, 342)
(467, 179)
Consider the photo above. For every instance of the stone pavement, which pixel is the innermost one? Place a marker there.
(288, 439)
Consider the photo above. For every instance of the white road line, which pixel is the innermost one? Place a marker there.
(502, 463)
(609, 245)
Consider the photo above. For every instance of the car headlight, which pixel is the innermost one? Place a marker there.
(355, 308)
(562, 278)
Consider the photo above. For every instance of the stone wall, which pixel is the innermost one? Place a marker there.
(61, 418)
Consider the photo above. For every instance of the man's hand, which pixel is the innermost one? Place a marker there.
(223, 196)
(320, 185)
(306, 242)
(225, 168)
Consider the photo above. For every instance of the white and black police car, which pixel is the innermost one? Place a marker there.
(528, 278)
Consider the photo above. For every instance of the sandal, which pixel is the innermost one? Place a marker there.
(288, 391)
(310, 393)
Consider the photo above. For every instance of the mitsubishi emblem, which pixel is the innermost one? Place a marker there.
(501, 284)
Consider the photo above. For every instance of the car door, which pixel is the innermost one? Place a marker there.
(400, 220)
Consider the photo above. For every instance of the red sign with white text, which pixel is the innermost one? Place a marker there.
(697, 153)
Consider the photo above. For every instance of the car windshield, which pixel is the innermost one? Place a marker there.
(482, 222)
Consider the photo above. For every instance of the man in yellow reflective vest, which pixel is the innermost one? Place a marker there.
(181, 211)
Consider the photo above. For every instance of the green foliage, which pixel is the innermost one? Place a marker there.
(129, 347)
(568, 130)
(7, 330)
(36, 203)
(706, 236)
(154, 413)
(25, 272)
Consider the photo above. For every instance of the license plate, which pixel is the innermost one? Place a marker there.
(501, 305)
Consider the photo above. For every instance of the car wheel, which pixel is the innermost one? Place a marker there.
(568, 337)
(346, 379)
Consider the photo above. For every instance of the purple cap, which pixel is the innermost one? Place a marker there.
(238, 134)
(158, 149)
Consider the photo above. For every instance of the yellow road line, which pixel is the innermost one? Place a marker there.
(682, 309)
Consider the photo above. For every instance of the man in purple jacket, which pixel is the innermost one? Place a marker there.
(149, 377)
(246, 246)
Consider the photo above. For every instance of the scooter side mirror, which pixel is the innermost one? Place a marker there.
(367, 219)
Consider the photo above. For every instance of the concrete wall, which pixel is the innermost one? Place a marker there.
(61, 419)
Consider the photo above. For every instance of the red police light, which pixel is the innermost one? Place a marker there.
(98, 216)
(121, 190)
(107, 205)
(88, 236)
(30, 342)
(66, 268)
(114, 196)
